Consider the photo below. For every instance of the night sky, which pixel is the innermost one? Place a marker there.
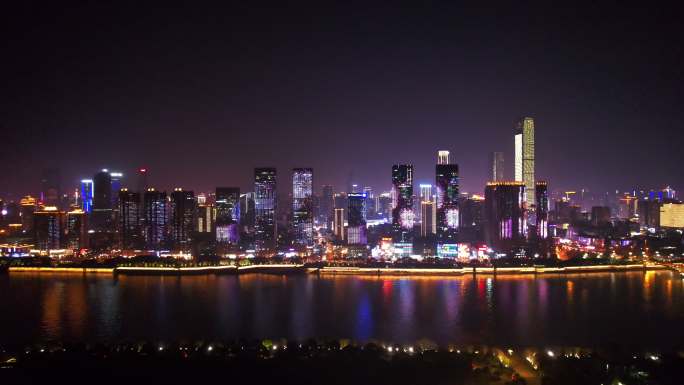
(202, 95)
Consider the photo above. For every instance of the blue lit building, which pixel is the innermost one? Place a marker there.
(87, 195)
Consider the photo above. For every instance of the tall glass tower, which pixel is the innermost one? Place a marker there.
(302, 205)
(403, 216)
(227, 222)
(265, 205)
(524, 157)
(447, 184)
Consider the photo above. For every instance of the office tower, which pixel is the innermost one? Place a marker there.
(496, 164)
(447, 184)
(428, 220)
(87, 195)
(338, 223)
(505, 215)
(302, 205)
(649, 213)
(426, 193)
(102, 201)
(227, 223)
(116, 187)
(27, 207)
(542, 209)
(182, 218)
(48, 227)
(326, 206)
(600, 215)
(50, 191)
(672, 215)
(443, 157)
(383, 204)
(524, 157)
(205, 218)
(130, 230)
(265, 205)
(76, 230)
(403, 216)
(356, 219)
(247, 215)
(156, 219)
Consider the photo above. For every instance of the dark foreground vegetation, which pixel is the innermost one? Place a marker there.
(334, 362)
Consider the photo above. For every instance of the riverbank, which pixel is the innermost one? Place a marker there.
(284, 269)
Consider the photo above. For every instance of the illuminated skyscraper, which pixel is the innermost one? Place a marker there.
(542, 209)
(338, 223)
(48, 227)
(505, 215)
(130, 231)
(403, 217)
(116, 186)
(496, 164)
(356, 219)
(302, 205)
(428, 220)
(76, 230)
(265, 205)
(27, 207)
(447, 185)
(102, 201)
(182, 218)
(156, 219)
(227, 224)
(524, 157)
(443, 157)
(425, 192)
(87, 195)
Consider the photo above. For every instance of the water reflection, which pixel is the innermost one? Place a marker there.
(523, 310)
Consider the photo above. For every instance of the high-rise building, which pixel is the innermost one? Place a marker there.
(142, 181)
(102, 201)
(205, 218)
(130, 231)
(325, 206)
(87, 195)
(542, 209)
(227, 224)
(156, 219)
(338, 223)
(76, 230)
(265, 205)
(182, 218)
(428, 220)
(302, 205)
(425, 192)
(649, 213)
(505, 215)
(50, 187)
(672, 215)
(524, 157)
(48, 227)
(116, 187)
(403, 217)
(247, 215)
(27, 207)
(447, 185)
(383, 204)
(600, 215)
(496, 164)
(356, 219)
(443, 157)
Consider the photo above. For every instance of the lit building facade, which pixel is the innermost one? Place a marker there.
(447, 186)
(302, 205)
(524, 157)
(326, 206)
(48, 228)
(338, 223)
(76, 230)
(182, 218)
(496, 164)
(130, 231)
(672, 215)
(356, 219)
(505, 215)
(156, 219)
(227, 223)
(403, 216)
(87, 195)
(542, 209)
(265, 205)
(428, 220)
